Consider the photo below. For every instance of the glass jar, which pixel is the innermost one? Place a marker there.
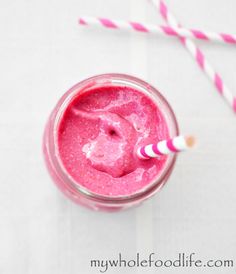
(65, 182)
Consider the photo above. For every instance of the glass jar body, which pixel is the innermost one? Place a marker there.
(61, 177)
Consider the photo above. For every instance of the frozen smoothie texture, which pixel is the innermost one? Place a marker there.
(98, 136)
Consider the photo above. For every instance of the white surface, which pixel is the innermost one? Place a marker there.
(42, 53)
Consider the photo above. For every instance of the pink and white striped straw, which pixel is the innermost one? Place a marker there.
(198, 55)
(165, 147)
(162, 30)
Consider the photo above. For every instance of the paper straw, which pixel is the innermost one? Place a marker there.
(161, 30)
(199, 57)
(165, 147)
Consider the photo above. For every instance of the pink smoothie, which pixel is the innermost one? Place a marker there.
(99, 133)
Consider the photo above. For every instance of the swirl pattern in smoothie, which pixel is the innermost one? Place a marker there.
(99, 134)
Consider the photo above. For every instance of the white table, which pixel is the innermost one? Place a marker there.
(42, 53)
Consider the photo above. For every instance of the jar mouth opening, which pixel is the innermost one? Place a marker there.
(119, 80)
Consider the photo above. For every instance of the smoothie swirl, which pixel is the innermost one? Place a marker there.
(99, 133)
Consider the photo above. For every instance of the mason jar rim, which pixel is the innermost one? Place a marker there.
(101, 80)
